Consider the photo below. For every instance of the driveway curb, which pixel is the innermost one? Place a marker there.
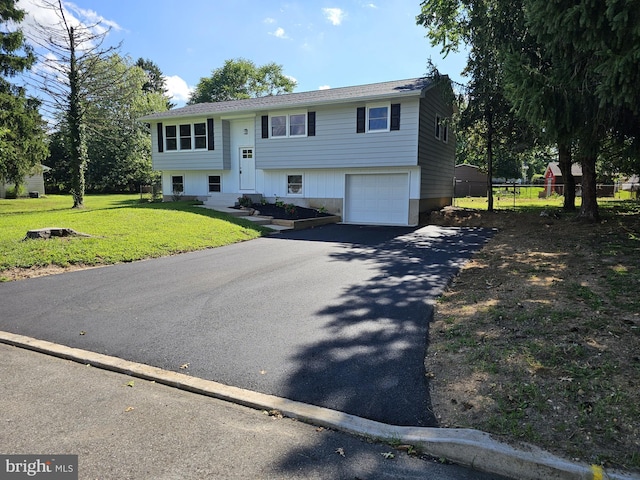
(466, 447)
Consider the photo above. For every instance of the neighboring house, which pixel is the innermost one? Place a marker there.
(374, 154)
(32, 183)
(470, 181)
(631, 183)
(553, 181)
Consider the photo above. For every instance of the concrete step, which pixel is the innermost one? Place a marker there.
(259, 220)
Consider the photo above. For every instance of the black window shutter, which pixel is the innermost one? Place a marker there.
(360, 119)
(210, 141)
(395, 116)
(311, 124)
(160, 138)
(265, 126)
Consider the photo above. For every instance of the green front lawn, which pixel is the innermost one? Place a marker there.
(122, 229)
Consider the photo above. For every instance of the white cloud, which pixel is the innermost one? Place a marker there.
(39, 16)
(334, 15)
(269, 20)
(177, 88)
(90, 17)
(371, 5)
(293, 79)
(324, 87)
(280, 33)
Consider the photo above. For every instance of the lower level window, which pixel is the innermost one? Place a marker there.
(294, 184)
(177, 184)
(214, 183)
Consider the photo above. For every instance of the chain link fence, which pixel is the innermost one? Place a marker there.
(512, 194)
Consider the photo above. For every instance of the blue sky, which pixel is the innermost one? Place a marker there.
(319, 43)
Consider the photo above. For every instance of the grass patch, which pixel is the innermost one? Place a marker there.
(122, 229)
(538, 337)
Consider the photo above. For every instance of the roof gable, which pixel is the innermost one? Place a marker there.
(576, 169)
(374, 91)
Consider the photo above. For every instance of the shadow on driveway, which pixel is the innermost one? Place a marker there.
(373, 364)
(335, 316)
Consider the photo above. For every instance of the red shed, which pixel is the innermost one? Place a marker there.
(553, 181)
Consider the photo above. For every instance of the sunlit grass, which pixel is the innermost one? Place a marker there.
(121, 229)
(507, 200)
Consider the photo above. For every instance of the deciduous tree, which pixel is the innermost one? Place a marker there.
(241, 78)
(73, 52)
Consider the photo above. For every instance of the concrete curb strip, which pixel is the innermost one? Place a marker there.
(466, 447)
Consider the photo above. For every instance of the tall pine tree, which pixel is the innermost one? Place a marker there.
(22, 144)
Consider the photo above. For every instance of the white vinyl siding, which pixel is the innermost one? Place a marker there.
(337, 145)
(330, 183)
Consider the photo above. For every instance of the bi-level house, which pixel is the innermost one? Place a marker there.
(374, 154)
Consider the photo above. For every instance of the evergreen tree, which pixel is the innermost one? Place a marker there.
(22, 138)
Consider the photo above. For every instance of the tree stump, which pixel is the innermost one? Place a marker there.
(46, 233)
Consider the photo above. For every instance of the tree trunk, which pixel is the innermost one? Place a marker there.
(78, 154)
(489, 119)
(564, 162)
(588, 154)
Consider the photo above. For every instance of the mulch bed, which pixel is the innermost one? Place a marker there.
(286, 212)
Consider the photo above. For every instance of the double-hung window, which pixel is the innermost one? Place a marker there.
(172, 137)
(378, 118)
(292, 125)
(298, 125)
(279, 126)
(185, 137)
(200, 135)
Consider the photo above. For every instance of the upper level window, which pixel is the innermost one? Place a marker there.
(294, 125)
(441, 129)
(378, 119)
(200, 135)
(186, 136)
(171, 134)
(279, 126)
(297, 125)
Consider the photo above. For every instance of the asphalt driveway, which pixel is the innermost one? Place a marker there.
(335, 316)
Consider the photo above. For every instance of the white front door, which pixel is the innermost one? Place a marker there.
(247, 169)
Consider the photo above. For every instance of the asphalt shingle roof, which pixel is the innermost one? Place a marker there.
(397, 88)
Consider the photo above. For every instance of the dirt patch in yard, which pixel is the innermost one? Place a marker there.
(538, 338)
(13, 274)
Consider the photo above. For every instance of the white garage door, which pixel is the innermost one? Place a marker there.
(377, 199)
